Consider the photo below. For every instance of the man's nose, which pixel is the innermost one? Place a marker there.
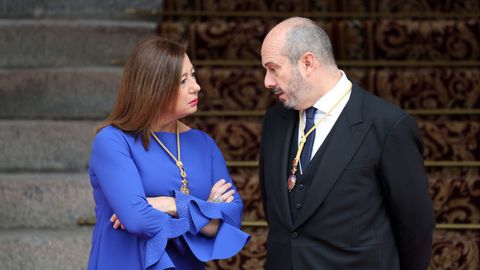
(269, 83)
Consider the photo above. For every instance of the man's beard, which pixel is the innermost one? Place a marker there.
(297, 89)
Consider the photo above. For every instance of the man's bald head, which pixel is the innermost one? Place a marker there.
(297, 35)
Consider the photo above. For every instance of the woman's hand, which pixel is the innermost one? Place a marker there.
(211, 228)
(221, 192)
(164, 203)
(116, 222)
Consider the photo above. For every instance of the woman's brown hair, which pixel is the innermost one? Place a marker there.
(149, 86)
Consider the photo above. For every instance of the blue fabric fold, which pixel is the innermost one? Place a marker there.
(154, 256)
(229, 239)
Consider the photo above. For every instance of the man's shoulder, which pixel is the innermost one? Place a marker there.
(277, 110)
(375, 107)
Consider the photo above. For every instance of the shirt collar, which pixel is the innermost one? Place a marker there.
(328, 100)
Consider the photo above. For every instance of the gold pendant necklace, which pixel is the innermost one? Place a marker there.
(292, 179)
(178, 162)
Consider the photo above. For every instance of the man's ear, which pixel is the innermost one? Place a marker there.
(308, 63)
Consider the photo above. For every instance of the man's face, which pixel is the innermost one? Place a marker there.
(283, 77)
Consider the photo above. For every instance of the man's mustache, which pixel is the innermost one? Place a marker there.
(276, 90)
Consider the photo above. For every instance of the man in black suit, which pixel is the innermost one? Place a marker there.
(341, 170)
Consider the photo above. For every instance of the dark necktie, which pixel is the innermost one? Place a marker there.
(308, 147)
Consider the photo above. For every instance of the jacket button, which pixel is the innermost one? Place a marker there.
(301, 186)
(298, 205)
(294, 234)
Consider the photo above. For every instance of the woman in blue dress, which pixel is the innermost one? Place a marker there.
(163, 195)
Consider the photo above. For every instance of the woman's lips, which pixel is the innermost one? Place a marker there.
(193, 102)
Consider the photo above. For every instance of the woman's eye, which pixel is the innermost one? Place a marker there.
(183, 81)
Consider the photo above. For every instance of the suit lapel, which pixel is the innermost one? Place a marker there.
(282, 143)
(348, 135)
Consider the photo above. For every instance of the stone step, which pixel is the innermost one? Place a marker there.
(49, 200)
(45, 200)
(40, 43)
(58, 92)
(74, 8)
(89, 93)
(336, 8)
(45, 145)
(64, 249)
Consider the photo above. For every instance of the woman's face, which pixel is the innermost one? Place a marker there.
(188, 90)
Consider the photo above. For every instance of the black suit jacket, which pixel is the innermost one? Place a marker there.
(367, 206)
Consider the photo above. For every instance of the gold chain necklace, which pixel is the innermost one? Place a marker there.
(178, 162)
(292, 179)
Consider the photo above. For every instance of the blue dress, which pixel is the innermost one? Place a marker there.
(123, 174)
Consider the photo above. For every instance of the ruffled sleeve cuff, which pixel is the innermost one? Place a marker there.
(152, 250)
(229, 239)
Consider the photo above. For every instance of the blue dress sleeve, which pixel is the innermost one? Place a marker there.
(229, 239)
(121, 184)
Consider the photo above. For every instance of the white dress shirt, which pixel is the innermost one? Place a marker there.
(324, 104)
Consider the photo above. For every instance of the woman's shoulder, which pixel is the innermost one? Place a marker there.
(109, 131)
(110, 134)
(200, 135)
(209, 144)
